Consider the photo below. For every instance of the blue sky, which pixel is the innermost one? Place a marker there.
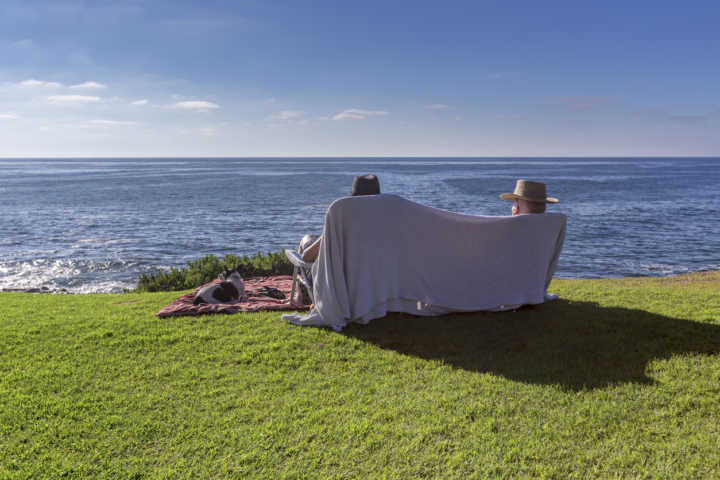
(337, 78)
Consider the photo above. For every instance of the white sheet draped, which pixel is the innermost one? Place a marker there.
(385, 253)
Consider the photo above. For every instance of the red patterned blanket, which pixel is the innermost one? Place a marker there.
(255, 303)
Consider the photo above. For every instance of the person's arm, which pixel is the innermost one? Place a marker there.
(311, 253)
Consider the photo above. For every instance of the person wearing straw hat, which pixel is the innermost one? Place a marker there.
(528, 197)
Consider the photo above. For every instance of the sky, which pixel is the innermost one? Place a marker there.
(144, 78)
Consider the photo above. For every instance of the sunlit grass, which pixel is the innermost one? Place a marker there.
(620, 378)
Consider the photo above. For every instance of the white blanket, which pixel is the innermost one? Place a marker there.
(385, 253)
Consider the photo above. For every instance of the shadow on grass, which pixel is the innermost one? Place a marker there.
(573, 344)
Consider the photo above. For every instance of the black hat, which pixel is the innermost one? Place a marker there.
(365, 185)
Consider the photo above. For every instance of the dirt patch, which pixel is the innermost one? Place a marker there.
(697, 277)
(128, 302)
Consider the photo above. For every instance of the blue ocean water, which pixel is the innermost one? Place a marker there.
(94, 225)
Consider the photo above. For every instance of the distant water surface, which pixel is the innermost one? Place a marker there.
(95, 225)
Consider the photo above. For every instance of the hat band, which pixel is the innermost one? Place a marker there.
(519, 196)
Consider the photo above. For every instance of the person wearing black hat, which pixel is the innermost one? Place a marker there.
(365, 185)
(368, 184)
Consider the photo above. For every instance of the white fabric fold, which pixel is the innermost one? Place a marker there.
(385, 253)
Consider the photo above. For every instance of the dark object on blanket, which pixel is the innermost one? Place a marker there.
(252, 302)
(230, 289)
(268, 292)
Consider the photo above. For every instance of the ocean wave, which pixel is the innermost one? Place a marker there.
(71, 275)
(95, 242)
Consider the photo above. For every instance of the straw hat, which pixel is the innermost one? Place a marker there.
(530, 191)
(365, 185)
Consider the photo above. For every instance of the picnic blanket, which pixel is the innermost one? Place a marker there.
(255, 300)
(384, 253)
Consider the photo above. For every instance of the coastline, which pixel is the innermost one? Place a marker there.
(669, 280)
(63, 291)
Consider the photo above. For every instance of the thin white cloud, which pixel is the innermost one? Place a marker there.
(286, 115)
(8, 116)
(652, 110)
(199, 105)
(358, 114)
(72, 99)
(506, 116)
(84, 85)
(24, 43)
(689, 119)
(437, 106)
(199, 26)
(209, 131)
(139, 102)
(580, 103)
(111, 122)
(31, 82)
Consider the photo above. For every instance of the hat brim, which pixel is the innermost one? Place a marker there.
(513, 196)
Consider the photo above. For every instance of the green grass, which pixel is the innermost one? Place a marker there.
(620, 378)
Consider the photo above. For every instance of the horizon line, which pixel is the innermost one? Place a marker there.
(188, 157)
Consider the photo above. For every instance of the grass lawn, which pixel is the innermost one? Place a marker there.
(619, 378)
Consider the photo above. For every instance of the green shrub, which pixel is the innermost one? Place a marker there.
(209, 267)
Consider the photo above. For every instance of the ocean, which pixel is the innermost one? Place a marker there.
(95, 225)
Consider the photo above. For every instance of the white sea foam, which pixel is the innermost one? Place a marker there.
(73, 276)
